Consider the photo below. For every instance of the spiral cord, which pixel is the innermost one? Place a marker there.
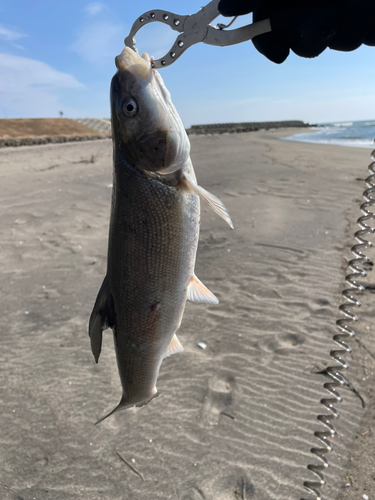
(345, 327)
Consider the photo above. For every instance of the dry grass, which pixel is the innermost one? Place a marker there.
(40, 127)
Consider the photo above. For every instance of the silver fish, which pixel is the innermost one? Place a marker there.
(154, 229)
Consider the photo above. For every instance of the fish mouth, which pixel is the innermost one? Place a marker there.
(160, 143)
(129, 60)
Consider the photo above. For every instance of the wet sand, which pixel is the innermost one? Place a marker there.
(233, 421)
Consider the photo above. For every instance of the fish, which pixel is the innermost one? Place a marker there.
(153, 232)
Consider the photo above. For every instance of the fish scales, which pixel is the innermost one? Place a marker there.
(151, 277)
(153, 233)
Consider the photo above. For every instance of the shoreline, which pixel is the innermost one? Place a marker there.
(282, 133)
(345, 144)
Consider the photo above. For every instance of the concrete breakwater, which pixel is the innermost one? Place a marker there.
(232, 128)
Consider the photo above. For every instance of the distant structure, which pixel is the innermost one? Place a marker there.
(232, 128)
(102, 125)
(61, 114)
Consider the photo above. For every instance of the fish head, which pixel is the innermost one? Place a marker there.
(147, 129)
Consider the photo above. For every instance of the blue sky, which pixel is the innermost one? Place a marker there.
(59, 55)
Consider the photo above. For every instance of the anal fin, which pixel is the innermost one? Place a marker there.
(198, 292)
(101, 318)
(174, 347)
(211, 200)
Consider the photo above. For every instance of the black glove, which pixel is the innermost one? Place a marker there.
(307, 26)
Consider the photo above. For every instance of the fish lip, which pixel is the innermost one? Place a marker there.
(129, 60)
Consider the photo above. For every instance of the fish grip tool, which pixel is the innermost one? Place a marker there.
(346, 332)
(195, 28)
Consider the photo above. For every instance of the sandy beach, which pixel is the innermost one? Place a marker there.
(234, 421)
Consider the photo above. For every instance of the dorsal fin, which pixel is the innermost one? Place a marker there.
(198, 292)
(101, 318)
(211, 200)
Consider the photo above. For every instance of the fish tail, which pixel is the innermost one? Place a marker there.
(124, 403)
(146, 401)
(119, 407)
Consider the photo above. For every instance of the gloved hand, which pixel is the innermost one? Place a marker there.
(307, 26)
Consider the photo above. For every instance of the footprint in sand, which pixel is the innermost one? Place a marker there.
(233, 485)
(219, 398)
(279, 344)
(212, 240)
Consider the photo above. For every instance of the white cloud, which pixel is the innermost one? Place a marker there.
(21, 71)
(31, 88)
(100, 42)
(94, 8)
(10, 35)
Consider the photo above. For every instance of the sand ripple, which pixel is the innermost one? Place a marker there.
(233, 421)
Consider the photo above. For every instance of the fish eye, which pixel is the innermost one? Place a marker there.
(130, 108)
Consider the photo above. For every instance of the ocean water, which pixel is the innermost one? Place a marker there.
(358, 134)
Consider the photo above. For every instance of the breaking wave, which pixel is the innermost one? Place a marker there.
(358, 134)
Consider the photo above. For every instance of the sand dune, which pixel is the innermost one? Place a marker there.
(233, 421)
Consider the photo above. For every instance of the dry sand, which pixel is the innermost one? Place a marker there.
(234, 421)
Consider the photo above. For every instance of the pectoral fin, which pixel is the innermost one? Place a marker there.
(198, 292)
(101, 318)
(174, 347)
(211, 200)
